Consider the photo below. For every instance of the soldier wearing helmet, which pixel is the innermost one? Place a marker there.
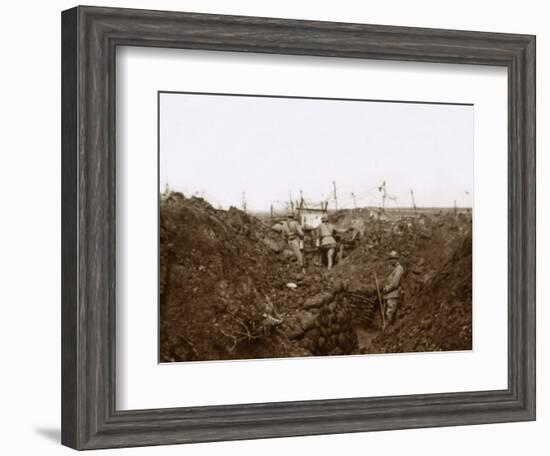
(392, 288)
(326, 241)
(293, 233)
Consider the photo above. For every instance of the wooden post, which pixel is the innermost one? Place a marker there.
(413, 203)
(380, 302)
(354, 200)
(382, 189)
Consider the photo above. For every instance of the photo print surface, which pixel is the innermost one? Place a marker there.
(298, 227)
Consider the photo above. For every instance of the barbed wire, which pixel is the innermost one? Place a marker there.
(369, 197)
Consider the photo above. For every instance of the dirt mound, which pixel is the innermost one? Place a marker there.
(218, 284)
(439, 316)
(423, 245)
(435, 313)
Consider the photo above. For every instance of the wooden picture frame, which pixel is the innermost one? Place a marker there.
(90, 36)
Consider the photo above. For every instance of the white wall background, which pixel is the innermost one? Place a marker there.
(30, 241)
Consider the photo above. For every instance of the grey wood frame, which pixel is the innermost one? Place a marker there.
(90, 36)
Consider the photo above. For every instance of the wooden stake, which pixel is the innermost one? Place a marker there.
(354, 200)
(244, 202)
(382, 310)
(413, 203)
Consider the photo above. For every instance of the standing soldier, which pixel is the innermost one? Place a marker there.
(326, 240)
(293, 233)
(392, 289)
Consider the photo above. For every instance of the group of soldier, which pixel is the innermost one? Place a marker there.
(324, 236)
(325, 240)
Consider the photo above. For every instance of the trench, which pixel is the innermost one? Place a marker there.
(365, 337)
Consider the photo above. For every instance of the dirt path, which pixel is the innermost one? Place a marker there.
(365, 336)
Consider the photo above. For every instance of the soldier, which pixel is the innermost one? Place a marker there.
(392, 289)
(293, 233)
(326, 240)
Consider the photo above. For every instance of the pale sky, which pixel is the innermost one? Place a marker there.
(221, 146)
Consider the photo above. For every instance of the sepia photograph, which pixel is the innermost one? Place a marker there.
(302, 227)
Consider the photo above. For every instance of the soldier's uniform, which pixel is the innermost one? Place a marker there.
(392, 289)
(325, 233)
(293, 233)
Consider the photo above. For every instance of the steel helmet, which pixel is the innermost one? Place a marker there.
(393, 255)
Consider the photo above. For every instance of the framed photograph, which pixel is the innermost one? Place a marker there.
(282, 227)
